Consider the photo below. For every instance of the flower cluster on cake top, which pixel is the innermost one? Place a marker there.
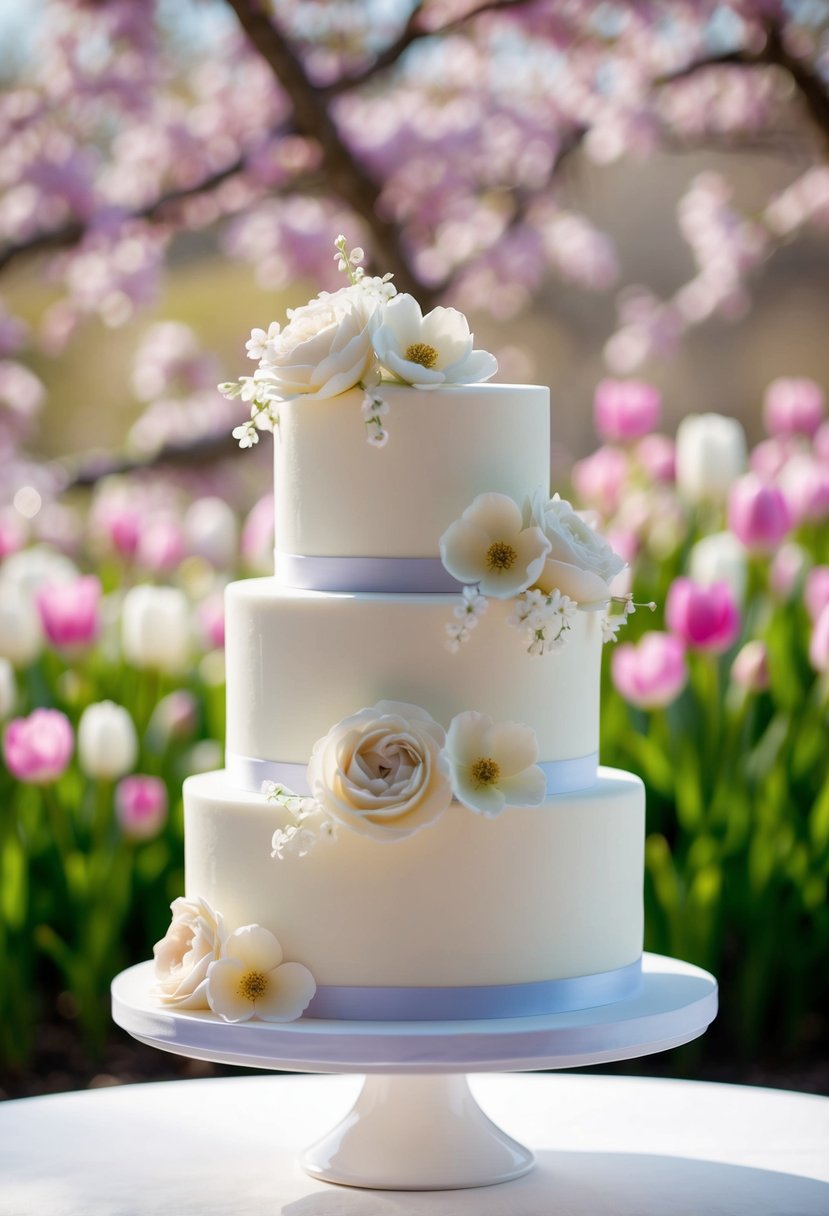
(357, 337)
(546, 558)
(390, 770)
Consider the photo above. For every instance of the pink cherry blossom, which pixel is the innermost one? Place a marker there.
(793, 406)
(625, 409)
(705, 618)
(652, 672)
(816, 591)
(758, 513)
(37, 749)
(141, 806)
(70, 612)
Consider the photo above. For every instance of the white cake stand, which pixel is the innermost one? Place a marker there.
(415, 1124)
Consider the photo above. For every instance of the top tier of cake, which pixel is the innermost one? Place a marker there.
(337, 496)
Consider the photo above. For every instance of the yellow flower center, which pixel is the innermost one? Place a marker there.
(422, 353)
(500, 555)
(485, 771)
(253, 985)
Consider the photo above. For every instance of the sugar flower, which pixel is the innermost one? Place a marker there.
(545, 617)
(38, 749)
(429, 351)
(380, 772)
(493, 766)
(251, 980)
(182, 957)
(580, 563)
(490, 546)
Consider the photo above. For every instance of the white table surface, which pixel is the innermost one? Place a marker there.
(605, 1146)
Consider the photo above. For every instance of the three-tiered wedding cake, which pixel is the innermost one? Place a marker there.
(412, 812)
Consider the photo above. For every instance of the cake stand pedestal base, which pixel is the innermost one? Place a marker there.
(422, 1133)
(415, 1126)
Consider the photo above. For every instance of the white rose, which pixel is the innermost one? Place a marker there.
(581, 564)
(324, 349)
(194, 940)
(710, 455)
(380, 772)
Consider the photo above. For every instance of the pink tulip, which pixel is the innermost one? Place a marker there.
(257, 536)
(819, 643)
(211, 613)
(652, 672)
(12, 533)
(770, 456)
(123, 527)
(820, 445)
(657, 456)
(598, 479)
(816, 591)
(805, 485)
(786, 569)
(161, 545)
(141, 806)
(70, 613)
(625, 409)
(758, 513)
(37, 749)
(706, 618)
(793, 406)
(750, 669)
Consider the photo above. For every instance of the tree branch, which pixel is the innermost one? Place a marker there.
(346, 176)
(413, 31)
(74, 231)
(85, 471)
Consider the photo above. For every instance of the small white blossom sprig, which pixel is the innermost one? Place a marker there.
(469, 610)
(264, 415)
(613, 622)
(545, 618)
(297, 839)
(374, 410)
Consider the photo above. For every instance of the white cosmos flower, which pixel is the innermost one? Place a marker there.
(493, 766)
(429, 351)
(580, 564)
(489, 545)
(251, 980)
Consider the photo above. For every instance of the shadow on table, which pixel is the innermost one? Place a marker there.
(595, 1184)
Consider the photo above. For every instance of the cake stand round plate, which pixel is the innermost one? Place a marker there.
(415, 1125)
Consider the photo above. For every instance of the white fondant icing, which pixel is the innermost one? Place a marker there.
(535, 894)
(336, 495)
(299, 661)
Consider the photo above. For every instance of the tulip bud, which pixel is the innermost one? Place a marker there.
(20, 633)
(598, 479)
(625, 409)
(38, 749)
(710, 454)
(141, 806)
(107, 742)
(819, 643)
(161, 544)
(70, 612)
(750, 669)
(657, 455)
(706, 618)
(212, 532)
(793, 406)
(257, 536)
(758, 514)
(816, 591)
(718, 558)
(155, 627)
(805, 485)
(652, 672)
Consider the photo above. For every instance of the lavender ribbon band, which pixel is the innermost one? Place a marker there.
(248, 773)
(475, 1002)
(386, 575)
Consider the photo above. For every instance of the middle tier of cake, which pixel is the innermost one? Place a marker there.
(298, 662)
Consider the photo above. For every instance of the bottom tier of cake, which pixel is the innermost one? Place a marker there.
(536, 910)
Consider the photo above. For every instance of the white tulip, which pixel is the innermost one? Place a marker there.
(718, 558)
(710, 456)
(211, 530)
(20, 633)
(155, 627)
(107, 742)
(8, 689)
(31, 568)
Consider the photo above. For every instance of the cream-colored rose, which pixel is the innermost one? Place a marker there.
(324, 349)
(380, 772)
(193, 941)
(581, 564)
